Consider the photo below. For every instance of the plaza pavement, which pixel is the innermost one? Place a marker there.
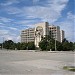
(35, 63)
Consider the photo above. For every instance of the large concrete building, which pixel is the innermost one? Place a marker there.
(40, 30)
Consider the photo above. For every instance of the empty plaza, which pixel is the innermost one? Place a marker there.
(15, 62)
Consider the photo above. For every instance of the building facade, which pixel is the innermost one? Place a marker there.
(55, 31)
(40, 30)
(28, 35)
(62, 35)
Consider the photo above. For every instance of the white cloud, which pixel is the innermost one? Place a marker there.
(4, 19)
(18, 39)
(68, 26)
(25, 22)
(9, 2)
(4, 32)
(1, 23)
(70, 16)
(45, 13)
(13, 10)
(11, 37)
(35, 1)
(50, 12)
(8, 37)
(12, 28)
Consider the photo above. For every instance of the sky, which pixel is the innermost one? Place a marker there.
(17, 15)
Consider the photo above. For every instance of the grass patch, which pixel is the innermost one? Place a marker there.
(70, 68)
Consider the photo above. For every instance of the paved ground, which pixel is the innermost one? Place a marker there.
(35, 63)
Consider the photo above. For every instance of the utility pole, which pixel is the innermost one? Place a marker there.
(55, 44)
(2, 43)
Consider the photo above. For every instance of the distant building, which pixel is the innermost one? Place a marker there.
(55, 31)
(40, 30)
(28, 35)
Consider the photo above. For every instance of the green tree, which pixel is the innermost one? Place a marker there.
(51, 44)
(23, 46)
(71, 46)
(13, 46)
(47, 42)
(43, 44)
(9, 44)
(67, 46)
(59, 46)
(74, 46)
(18, 45)
(31, 46)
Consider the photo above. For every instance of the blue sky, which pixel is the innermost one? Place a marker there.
(16, 15)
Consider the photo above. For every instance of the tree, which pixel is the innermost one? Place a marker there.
(74, 46)
(23, 46)
(47, 42)
(59, 46)
(51, 44)
(18, 45)
(71, 46)
(9, 44)
(67, 46)
(13, 46)
(31, 46)
(43, 44)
